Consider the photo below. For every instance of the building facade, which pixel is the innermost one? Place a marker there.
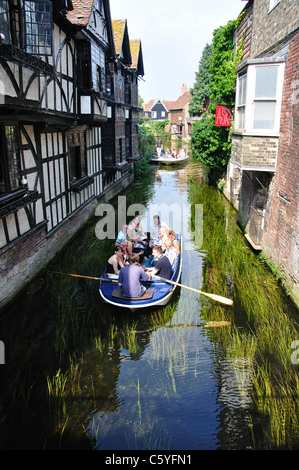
(263, 171)
(156, 110)
(68, 129)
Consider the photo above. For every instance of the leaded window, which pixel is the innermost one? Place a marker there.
(28, 25)
(77, 156)
(5, 21)
(38, 27)
(10, 163)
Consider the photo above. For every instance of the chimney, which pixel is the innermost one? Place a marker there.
(184, 89)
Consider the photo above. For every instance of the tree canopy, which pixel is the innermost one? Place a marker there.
(201, 89)
(217, 77)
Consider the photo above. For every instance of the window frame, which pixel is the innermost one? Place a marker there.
(273, 4)
(251, 100)
(11, 185)
(77, 156)
(19, 31)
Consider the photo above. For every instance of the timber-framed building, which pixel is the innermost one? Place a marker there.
(68, 125)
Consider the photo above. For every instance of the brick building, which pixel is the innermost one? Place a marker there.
(68, 133)
(263, 171)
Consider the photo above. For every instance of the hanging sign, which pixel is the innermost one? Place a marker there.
(223, 116)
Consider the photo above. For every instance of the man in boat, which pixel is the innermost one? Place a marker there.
(156, 226)
(130, 278)
(162, 264)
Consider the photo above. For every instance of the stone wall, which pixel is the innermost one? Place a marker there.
(271, 27)
(254, 151)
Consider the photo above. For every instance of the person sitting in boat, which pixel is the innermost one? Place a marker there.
(122, 234)
(135, 225)
(115, 263)
(171, 252)
(125, 250)
(161, 265)
(157, 224)
(174, 241)
(173, 154)
(163, 235)
(167, 153)
(130, 278)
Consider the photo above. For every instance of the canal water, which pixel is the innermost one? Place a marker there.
(83, 375)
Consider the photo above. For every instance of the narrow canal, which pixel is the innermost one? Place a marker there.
(193, 375)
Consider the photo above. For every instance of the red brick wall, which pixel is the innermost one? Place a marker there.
(244, 31)
(281, 238)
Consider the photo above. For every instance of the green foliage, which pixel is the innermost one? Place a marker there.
(201, 88)
(212, 144)
(223, 65)
(147, 142)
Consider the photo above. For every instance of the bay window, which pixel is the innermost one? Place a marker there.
(258, 98)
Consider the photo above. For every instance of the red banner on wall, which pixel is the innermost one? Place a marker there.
(223, 116)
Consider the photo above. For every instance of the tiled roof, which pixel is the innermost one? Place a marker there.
(182, 101)
(118, 27)
(148, 106)
(135, 49)
(81, 12)
(168, 104)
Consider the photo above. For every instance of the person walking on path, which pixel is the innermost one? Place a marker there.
(159, 147)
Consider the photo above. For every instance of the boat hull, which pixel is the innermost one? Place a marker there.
(169, 160)
(162, 291)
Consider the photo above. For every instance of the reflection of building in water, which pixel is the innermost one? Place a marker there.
(192, 171)
(159, 176)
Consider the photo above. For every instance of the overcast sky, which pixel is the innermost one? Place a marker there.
(173, 34)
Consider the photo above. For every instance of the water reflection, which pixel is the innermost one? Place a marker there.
(171, 396)
(152, 380)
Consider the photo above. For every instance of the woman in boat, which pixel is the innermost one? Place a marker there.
(163, 235)
(126, 250)
(115, 263)
(174, 241)
(171, 253)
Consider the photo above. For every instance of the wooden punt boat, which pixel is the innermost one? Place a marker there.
(158, 292)
(169, 160)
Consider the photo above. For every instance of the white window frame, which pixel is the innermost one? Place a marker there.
(272, 4)
(154, 114)
(248, 107)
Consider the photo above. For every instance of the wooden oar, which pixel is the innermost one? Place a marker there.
(218, 298)
(87, 277)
